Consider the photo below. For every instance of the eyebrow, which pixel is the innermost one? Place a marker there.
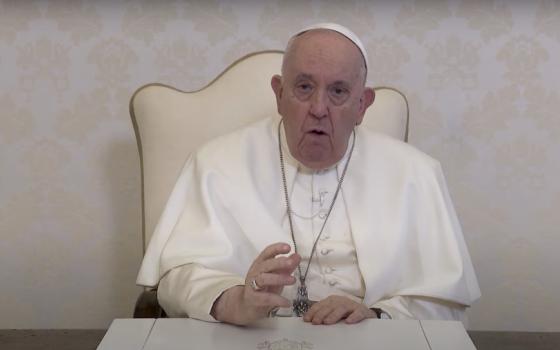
(341, 82)
(306, 76)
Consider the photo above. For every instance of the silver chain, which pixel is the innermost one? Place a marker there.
(288, 206)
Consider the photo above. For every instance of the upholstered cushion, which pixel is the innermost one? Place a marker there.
(170, 123)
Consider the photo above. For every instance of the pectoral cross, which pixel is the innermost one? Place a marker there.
(301, 304)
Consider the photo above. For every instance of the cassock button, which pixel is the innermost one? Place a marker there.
(329, 269)
(333, 283)
(326, 251)
(322, 214)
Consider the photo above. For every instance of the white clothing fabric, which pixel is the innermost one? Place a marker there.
(228, 205)
(334, 269)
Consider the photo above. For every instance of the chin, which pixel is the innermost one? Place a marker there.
(316, 155)
(317, 163)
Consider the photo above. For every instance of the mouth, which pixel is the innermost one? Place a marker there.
(317, 132)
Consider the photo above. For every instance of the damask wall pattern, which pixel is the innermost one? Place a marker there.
(482, 78)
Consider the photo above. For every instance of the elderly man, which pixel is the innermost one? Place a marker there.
(310, 215)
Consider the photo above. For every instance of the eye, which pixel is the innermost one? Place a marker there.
(303, 90)
(304, 87)
(338, 91)
(338, 94)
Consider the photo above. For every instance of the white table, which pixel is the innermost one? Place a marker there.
(284, 333)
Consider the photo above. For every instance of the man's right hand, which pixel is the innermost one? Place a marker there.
(264, 282)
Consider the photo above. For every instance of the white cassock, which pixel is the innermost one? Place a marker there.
(392, 241)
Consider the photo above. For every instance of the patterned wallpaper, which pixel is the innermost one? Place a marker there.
(483, 81)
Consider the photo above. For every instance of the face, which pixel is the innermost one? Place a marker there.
(321, 96)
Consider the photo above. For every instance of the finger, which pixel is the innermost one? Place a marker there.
(316, 306)
(355, 317)
(308, 316)
(321, 314)
(279, 264)
(272, 250)
(264, 280)
(296, 259)
(337, 314)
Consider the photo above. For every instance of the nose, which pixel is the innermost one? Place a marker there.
(319, 105)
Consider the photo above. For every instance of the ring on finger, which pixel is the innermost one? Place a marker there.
(255, 286)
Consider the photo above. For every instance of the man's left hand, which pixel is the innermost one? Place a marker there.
(335, 308)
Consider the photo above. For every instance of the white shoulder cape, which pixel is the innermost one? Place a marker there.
(228, 205)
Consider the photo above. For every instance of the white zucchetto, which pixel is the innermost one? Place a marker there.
(341, 30)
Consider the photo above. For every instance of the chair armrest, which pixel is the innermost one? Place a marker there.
(147, 305)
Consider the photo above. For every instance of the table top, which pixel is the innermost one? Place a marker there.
(285, 333)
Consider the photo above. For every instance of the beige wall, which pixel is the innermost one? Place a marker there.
(483, 82)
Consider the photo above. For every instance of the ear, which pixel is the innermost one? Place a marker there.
(368, 96)
(276, 83)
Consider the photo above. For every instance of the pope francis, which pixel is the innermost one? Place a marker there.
(310, 215)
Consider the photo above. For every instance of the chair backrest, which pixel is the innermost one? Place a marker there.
(170, 123)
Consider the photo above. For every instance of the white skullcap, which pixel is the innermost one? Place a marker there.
(341, 30)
